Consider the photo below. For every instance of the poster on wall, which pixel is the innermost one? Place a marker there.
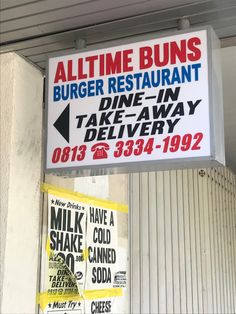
(142, 103)
(102, 252)
(102, 248)
(85, 268)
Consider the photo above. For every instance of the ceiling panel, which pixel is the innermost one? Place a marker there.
(6, 4)
(66, 14)
(71, 16)
(29, 24)
(38, 8)
(47, 48)
(37, 29)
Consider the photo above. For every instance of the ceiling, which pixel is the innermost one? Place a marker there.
(36, 29)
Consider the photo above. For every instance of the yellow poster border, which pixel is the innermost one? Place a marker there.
(68, 194)
(44, 298)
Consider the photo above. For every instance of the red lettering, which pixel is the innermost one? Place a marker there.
(164, 55)
(170, 53)
(81, 74)
(60, 73)
(91, 61)
(196, 53)
(70, 76)
(145, 57)
(177, 52)
(113, 65)
(101, 65)
(126, 60)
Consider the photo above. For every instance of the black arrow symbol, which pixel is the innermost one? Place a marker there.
(62, 124)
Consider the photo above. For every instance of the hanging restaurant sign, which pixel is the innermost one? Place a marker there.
(150, 104)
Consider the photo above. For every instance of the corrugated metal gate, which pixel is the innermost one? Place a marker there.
(182, 238)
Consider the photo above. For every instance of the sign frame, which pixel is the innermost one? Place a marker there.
(216, 118)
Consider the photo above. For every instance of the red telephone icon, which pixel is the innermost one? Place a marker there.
(99, 150)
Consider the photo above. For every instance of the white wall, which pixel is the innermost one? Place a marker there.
(21, 146)
(183, 242)
(228, 60)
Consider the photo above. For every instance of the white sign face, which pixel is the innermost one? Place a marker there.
(145, 101)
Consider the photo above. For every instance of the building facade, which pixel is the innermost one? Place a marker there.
(180, 237)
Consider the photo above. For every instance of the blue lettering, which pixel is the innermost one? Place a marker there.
(137, 76)
(82, 89)
(65, 92)
(73, 91)
(175, 76)
(56, 93)
(165, 77)
(196, 67)
(99, 87)
(129, 83)
(120, 84)
(146, 80)
(186, 74)
(111, 85)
